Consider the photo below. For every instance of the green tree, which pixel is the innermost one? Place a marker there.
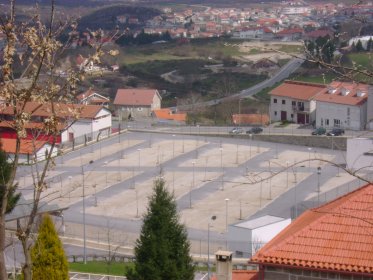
(162, 250)
(5, 172)
(48, 257)
(369, 44)
(359, 46)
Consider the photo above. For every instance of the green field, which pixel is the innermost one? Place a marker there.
(97, 267)
(364, 59)
(320, 79)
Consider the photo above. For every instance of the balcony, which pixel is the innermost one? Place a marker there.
(300, 109)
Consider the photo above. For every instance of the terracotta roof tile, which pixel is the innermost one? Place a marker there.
(298, 90)
(135, 97)
(166, 114)
(62, 110)
(336, 90)
(336, 236)
(27, 146)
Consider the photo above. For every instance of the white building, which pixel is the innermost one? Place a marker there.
(245, 238)
(93, 122)
(363, 39)
(343, 105)
(30, 150)
(293, 101)
(370, 110)
(359, 155)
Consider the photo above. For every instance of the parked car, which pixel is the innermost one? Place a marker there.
(336, 132)
(319, 131)
(254, 130)
(236, 130)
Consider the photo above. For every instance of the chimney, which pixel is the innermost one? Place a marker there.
(223, 265)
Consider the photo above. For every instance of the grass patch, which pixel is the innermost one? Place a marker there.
(263, 95)
(320, 79)
(290, 48)
(363, 59)
(115, 268)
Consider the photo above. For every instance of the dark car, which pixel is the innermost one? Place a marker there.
(336, 132)
(319, 131)
(254, 130)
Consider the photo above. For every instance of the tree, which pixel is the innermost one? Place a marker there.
(48, 257)
(359, 46)
(28, 74)
(162, 250)
(5, 172)
(369, 44)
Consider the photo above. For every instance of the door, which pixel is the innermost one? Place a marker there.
(301, 118)
(283, 115)
(71, 136)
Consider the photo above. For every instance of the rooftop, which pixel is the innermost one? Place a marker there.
(259, 222)
(336, 236)
(135, 96)
(298, 90)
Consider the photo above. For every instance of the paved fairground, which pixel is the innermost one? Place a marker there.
(227, 177)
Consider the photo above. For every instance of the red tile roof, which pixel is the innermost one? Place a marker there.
(135, 96)
(166, 114)
(298, 90)
(337, 236)
(242, 275)
(334, 93)
(27, 146)
(62, 110)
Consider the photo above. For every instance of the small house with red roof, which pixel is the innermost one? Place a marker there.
(294, 101)
(343, 105)
(136, 102)
(91, 97)
(30, 150)
(333, 241)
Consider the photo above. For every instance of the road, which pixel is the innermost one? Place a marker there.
(282, 74)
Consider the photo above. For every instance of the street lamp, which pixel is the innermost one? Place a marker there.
(84, 235)
(173, 145)
(226, 222)
(251, 138)
(139, 150)
(309, 157)
(213, 218)
(190, 193)
(105, 164)
(318, 185)
(222, 170)
(239, 111)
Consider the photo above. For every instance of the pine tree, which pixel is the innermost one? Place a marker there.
(359, 46)
(48, 257)
(5, 171)
(162, 250)
(369, 44)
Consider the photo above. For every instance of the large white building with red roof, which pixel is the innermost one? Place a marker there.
(342, 105)
(333, 241)
(136, 102)
(294, 101)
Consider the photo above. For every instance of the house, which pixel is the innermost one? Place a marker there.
(294, 101)
(290, 34)
(333, 241)
(91, 97)
(136, 102)
(343, 105)
(370, 111)
(247, 237)
(30, 151)
(74, 121)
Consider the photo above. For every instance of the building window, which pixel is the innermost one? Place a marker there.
(326, 122)
(283, 101)
(293, 103)
(337, 123)
(139, 109)
(348, 111)
(322, 122)
(275, 113)
(275, 100)
(292, 116)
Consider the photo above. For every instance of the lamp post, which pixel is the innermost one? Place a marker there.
(309, 157)
(84, 233)
(222, 170)
(226, 222)
(70, 178)
(239, 111)
(105, 164)
(213, 218)
(318, 185)
(139, 150)
(251, 138)
(190, 193)
(173, 145)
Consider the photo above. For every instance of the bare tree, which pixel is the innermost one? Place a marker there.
(34, 46)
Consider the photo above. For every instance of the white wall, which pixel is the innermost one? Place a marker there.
(40, 155)
(330, 111)
(370, 109)
(309, 107)
(356, 147)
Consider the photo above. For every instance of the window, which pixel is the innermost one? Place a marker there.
(292, 116)
(139, 109)
(337, 123)
(293, 103)
(275, 113)
(275, 100)
(283, 101)
(322, 122)
(326, 122)
(348, 111)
